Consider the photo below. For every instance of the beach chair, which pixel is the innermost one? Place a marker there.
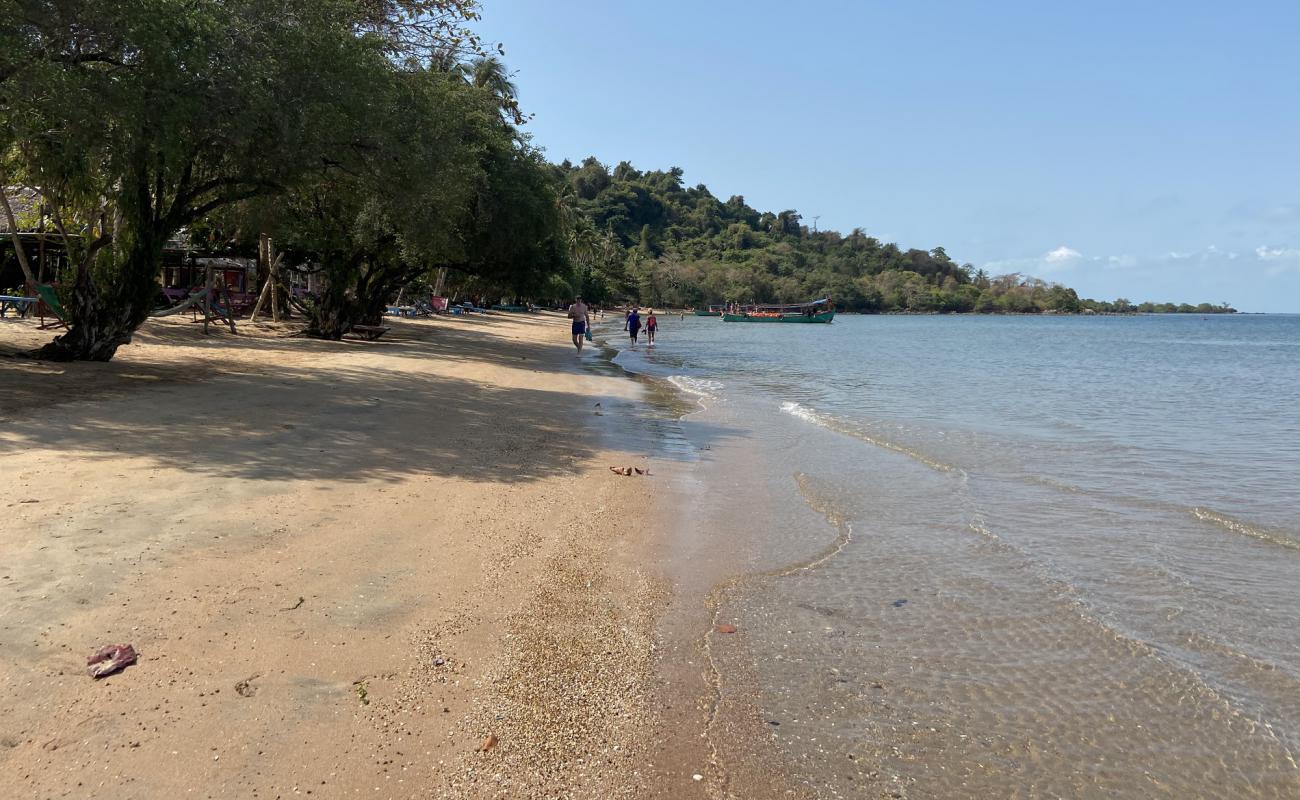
(49, 305)
(185, 303)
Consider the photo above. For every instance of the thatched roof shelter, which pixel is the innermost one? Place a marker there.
(26, 204)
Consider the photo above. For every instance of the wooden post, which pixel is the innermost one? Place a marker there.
(207, 297)
(266, 285)
(275, 279)
(261, 300)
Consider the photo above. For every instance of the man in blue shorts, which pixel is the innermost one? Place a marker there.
(581, 319)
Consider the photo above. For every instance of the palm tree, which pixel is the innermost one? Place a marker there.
(489, 72)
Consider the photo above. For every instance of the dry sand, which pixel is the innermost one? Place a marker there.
(346, 566)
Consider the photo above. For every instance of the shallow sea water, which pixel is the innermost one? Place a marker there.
(1064, 552)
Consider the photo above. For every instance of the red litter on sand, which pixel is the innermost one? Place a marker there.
(109, 659)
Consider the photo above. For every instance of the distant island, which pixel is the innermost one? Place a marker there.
(646, 238)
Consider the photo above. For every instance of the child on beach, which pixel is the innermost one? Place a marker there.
(651, 323)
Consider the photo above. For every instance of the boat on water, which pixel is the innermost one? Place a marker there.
(815, 311)
(711, 311)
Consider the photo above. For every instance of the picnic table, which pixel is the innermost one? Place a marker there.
(21, 305)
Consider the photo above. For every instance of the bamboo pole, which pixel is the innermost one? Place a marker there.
(261, 299)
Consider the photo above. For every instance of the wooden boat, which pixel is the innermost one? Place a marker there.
(815, 311)
(711, 311)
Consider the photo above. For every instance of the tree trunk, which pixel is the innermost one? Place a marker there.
(334, 313)
(99, 322)
(17, 240)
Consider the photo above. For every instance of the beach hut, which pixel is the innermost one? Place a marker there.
(34, 233)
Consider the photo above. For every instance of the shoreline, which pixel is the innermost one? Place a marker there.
(716, 741)
(332, 566)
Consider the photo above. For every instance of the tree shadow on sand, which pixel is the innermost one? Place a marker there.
(321, 422)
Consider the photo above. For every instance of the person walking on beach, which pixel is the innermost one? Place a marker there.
(581, 318)
(651, 323)
(633, 324)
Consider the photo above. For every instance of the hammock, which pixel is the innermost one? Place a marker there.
(184, 305)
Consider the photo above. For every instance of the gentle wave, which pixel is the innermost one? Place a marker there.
(700, 387)
(840, 426)
(1245, 528)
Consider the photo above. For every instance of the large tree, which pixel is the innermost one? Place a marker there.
(135, 118)
(386, 209)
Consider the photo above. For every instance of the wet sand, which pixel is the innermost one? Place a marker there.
(346, 567)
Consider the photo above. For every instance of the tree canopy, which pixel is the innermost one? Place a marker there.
(665, 243)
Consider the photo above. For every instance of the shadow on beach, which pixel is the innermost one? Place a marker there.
(290, 409)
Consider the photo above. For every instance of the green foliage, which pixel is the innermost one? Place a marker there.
(683, 247)
(381, 209)
(137, 118)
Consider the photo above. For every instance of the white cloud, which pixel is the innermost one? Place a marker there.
(1275, 253)
(1062, 255)
(1281, 259)
(1121, 262)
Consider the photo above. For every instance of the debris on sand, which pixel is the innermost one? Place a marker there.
(109, 659)
(725, 628)
(245, 688)
(489, 742)
(629, 470)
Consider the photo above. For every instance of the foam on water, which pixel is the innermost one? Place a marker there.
(703, 388)
(1282, 538)
(850, 429)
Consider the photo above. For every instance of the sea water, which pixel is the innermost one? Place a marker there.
(1004, 556)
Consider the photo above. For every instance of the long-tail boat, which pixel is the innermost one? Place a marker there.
(815, 311)
(711, 311)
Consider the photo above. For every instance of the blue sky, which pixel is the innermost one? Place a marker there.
(1149, 150)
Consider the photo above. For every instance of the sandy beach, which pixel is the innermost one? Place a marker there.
(392, 569)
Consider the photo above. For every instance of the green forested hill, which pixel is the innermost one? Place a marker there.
(646, 237)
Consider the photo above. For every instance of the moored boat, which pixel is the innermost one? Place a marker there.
(711, 311)
(815, 311)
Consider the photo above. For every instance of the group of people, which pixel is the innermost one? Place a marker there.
(580, 319)
(633, 325)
